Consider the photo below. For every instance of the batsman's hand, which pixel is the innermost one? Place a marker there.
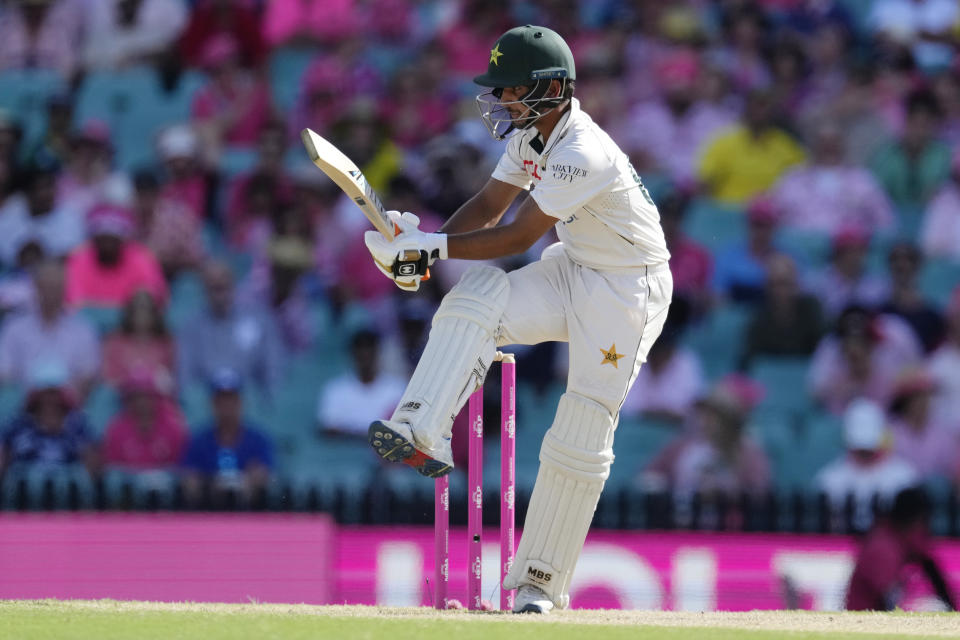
(406, 258)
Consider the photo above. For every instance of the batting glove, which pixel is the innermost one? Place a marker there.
(406, 258)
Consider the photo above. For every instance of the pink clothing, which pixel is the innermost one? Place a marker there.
(944, 366)
(829, 378)
(124, 356)
(747, 70)
(673, 389)
(836, 292)
(241, 220)
(113, 187)
(642, 56)
(191, 192)
(934, 451)
(674, 141)
(940, 233)
(691, 266)
(360, 276)
(90, 284)
(125, 445)
(253, 97)
(466, 50)
(828, 199)
(56, 46)
(694, 464)
(418, 121)
(322, 19)
(173, 234)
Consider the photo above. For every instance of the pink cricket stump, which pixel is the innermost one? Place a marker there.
(508, 452)
(475, 507)
(441, 541)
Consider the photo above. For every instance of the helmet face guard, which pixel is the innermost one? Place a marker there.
(496, 117)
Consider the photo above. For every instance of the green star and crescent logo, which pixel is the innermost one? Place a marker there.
(495, 54)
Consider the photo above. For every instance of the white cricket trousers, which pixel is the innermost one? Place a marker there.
(609, 318)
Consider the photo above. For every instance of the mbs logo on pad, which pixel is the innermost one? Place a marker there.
(539, 575)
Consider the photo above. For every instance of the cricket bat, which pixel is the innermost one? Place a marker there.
(349, 178)
(352, 182)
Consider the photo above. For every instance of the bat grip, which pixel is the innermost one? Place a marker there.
(410, 255)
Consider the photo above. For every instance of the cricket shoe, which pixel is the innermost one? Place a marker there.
(394, 441)
(530, 599)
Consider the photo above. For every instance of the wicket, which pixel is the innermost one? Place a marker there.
(441, 512)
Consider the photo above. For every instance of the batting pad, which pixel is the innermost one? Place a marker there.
(457, 355)
(575, 462)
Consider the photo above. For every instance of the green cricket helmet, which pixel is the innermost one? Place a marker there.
(527, 56)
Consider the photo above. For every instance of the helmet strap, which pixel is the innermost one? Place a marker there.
(538, 104)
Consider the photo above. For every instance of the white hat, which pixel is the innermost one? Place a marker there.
(178, 141)
(864, 425)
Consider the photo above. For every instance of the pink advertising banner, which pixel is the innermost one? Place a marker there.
(300, 558)
(165, 557)
(629, 570)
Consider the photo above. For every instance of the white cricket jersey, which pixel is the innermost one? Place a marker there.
(607, 220)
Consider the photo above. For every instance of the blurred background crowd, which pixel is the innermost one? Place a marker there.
(188, 310)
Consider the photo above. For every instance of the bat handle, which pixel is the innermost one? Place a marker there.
(411, 256)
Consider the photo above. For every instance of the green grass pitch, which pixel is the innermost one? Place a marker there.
(109, 620)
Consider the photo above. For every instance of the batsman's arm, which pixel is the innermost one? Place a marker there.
(526, 228)
(483, 210)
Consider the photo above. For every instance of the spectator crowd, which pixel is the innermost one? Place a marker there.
(186, 301)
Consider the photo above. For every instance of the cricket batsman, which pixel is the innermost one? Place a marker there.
(604, 288)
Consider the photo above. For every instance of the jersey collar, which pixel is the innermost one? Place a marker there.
(559, 131)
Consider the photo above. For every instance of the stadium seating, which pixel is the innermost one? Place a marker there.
(101, 405)
(785, 383)
(287, 66)
(714, 225)
(25, 94)
(938, 279)
(136, 108)
(718, 339)
(47, 487)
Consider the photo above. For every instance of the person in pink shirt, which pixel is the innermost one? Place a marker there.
(210, 18)
(718, 458)
(233, 106)
(254, 195)
(417, 107)
(944, 366)
(141, 343)
(862, 358)
(671, 380)
(309, 21)
(940, 230)
(742, 52)
(324, 97)
(45, 34)
(167, 227)
(148, 433)
(184, 181)
(673, 128)
(88, 176)
(467, 43)
(891, 553)
(690, 262)
(827, 195)
(846, 279)
(918, 436)
(106, 271)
